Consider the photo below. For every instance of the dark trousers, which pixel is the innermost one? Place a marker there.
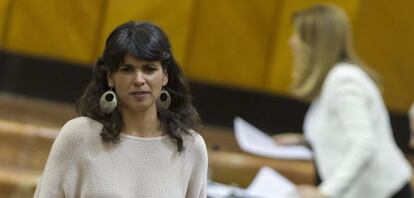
(405, 192)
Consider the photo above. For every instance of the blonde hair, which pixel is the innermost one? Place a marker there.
(411, 112)
(325, 32)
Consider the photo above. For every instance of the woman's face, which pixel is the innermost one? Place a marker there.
(138, 83)
(295, 43)
(298, 48)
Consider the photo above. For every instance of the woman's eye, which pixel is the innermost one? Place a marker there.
(125, 69)
(150, 69)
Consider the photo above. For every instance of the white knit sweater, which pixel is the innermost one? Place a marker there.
(80, 164)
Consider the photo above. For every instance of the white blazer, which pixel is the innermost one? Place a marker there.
(349, 128)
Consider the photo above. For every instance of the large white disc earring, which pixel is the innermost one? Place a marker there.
(164, 100)
(108, 101)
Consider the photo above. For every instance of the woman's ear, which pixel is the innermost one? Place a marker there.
(111, 83)
(165, 77)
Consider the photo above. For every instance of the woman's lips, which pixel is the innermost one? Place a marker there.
(140, 94)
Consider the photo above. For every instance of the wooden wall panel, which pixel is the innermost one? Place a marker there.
(230, 44)
(3, 13)
(174, 17)
(54, 28)
(384, 39)
(237, 43)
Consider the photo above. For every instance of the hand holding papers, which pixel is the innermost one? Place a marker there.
(289, 139)
(252, 140)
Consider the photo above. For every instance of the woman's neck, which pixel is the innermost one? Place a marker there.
(142, 124)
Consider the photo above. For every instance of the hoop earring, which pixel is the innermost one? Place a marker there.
(108, 101)
(164, 100)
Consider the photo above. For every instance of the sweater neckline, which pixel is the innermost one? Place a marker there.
(136, 138)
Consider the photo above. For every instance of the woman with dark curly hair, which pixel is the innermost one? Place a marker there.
(135, 136)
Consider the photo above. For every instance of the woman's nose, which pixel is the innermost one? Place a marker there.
(139, 78)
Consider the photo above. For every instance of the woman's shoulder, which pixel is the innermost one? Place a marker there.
(82, 123)
(347, 75)
(195, 141)
(72, 139)
(79, 127)
(346, 71)
(196, 148)
(83, 120)
(348, 79)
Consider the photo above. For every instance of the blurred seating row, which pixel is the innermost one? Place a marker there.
(28, 128)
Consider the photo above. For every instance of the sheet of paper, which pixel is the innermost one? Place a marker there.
(252, 140)
(270, 184)
(218, 190)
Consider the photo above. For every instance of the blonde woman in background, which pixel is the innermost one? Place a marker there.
(347, 124)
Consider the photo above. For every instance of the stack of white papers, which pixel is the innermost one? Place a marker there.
(218, 190)
(270, 184)
(266, 184)
(252, 140)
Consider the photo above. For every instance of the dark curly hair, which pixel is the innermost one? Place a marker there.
(148, 42)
